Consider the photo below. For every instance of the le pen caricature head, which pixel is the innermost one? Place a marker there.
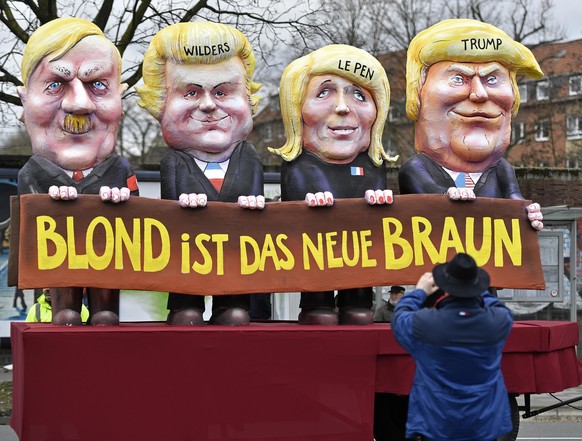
(345, 61)
(469, 41)
(193, 43)
(56, 38)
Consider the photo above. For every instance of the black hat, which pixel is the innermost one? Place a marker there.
(461, 277)
(397, 289)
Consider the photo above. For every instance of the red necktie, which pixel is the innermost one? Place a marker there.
(78, 175)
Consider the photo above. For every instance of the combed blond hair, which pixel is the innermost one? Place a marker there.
(55, 39)
(328, 61)
(178, 43)
(464, 40)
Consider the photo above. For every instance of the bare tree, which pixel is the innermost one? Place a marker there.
(130, 24)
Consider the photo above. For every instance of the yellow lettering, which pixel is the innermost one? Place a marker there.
(153, 264)
(366, 261)
(75, 261)
(392, 239)
(185, 261)
(45, 232)
(483, 254)
(131, 245)
(502, 240)
(332, 261)
(95, 260)
(206, 266)
(450, 239)
(289, 263)
(247, 267)
(422, 240)
(310, 248)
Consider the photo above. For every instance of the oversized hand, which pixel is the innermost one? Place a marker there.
(461, 194)
(535, 216)
(193, 200)
(379, 197)
(252, 202)
(319, 199)
(114, 194)
(62, 193)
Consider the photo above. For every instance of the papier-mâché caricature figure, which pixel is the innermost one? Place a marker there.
(198, 85)
(334, 103)
(71, 96)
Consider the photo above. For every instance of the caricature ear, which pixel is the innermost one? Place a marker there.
(21, 93)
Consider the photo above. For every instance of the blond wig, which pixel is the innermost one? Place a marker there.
(55, 39)
(358, 66)
(192, 43)
(469, 41)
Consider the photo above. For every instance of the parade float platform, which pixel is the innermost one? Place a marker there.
(275, 381)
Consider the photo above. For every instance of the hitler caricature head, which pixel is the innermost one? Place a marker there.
(334, 103)
(462, 92)
(198, 85)
(71, 93)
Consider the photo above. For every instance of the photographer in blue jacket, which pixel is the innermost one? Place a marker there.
(458, 391)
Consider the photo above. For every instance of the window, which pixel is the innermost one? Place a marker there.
(543, 130)
(543, 90)
(518, 133)
(575, 85)
(574, 126)
(523, 95)
(268, 132)
(394, 113)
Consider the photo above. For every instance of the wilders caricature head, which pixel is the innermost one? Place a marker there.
(71, 93)
(465, 54)
(355, 65)
(198, 85)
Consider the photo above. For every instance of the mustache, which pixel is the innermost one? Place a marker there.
(77, 124)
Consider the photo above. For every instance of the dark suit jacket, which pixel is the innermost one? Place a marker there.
(309, 174)
(38, 174)
(421, 174)
(179, 174)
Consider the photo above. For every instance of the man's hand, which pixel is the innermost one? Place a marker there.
(535, 216)
(461, 194)
(319, 199)
(62, 193)
(426, 283)
(379, 197)
(192, 200)
(252, 202)
(114, 194)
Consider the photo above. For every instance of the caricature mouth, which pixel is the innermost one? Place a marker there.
(77, 124)
(342, 130)
(477, 115)
(211, 121)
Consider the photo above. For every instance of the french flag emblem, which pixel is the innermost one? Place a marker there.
(357, 171)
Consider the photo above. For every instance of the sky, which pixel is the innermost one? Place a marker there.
(569, 14)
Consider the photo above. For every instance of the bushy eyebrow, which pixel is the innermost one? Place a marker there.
(470, 71)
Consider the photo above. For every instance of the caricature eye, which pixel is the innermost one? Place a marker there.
(491, 79)
(191, 93)
(323, 93)
(54, 86)
(458, 80)
(359, 95)
(219, 93)
(99, 86)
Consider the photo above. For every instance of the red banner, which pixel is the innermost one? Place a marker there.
(151, 244)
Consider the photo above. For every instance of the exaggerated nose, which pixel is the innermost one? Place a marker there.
(207, 103)
(77, 99)
(478, 92)
(341, 103)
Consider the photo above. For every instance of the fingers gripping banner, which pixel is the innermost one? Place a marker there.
(150, 244)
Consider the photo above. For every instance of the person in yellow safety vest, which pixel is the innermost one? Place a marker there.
(42, 310)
